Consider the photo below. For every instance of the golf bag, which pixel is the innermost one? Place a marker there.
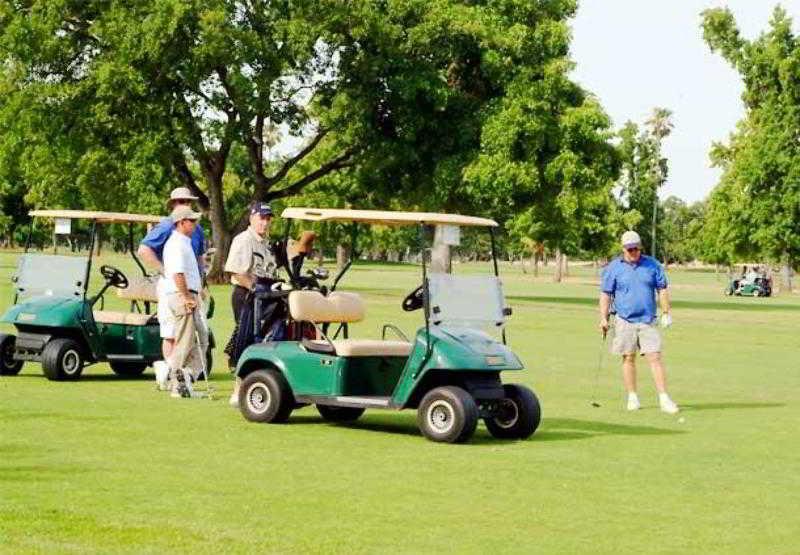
(263, 317)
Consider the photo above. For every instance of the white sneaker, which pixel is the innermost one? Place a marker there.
(162, 375)
(633, 402)
(234, 400)
(667, 405)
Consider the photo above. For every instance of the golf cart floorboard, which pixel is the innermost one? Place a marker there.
(355, 401)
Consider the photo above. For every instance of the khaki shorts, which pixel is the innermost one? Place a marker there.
(630, 338)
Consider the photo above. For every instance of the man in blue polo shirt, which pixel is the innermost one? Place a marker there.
(632, 282)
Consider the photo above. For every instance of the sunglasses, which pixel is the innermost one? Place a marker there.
(632, 249)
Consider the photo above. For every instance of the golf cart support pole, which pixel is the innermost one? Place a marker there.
(425, 304)
(496, 272)
(353, 256)
(133, 252)
(91, 254)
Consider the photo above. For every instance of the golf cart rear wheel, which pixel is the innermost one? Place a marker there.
(8, 366)
(339, 414)
(62, 359)
(447, 414)
(265, 396)
(517, 416)
(128, 369)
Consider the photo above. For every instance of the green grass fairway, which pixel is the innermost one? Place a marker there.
(110, 465)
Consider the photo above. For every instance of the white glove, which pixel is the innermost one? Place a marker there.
(666, 320)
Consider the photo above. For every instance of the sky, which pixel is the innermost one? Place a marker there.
(638, 54)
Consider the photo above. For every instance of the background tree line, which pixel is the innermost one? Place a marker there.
(412, 104)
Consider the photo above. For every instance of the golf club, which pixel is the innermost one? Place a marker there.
(593, 401)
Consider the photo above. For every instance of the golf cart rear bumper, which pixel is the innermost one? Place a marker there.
(29, 346)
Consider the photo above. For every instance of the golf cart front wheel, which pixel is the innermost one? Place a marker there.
(128, 369)
(265, 396)
(62, 359)
(517, 416)
(8, 366)
(339, 414)
(447, 414)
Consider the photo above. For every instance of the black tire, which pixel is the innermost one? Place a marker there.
(128, 369)
(519, 416)
(62, 359)
(339, 414)
(8, 366)
(265, 396)
(447, 414)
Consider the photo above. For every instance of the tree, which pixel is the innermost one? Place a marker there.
(644, 171)
(759, 192)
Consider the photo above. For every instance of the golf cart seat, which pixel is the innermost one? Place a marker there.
(126, 318)
(340, 307)
(140, 289)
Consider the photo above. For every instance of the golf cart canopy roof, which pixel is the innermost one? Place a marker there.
(102, 217)
(383, 217)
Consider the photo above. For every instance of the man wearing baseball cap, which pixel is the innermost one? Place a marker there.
(249, 259)
(181, 287)
(632, 282)
(151, 251)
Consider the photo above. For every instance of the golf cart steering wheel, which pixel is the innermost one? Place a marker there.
(114, 277)
(414, 300)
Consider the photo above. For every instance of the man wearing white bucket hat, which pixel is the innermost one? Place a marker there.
(632, 282)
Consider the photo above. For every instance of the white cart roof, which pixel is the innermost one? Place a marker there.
(384, 217)
(103, 217)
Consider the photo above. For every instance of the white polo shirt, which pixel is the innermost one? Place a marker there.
(179, 258)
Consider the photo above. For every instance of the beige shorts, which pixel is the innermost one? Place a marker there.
(630, 338)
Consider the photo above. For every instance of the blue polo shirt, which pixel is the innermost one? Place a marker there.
(157, 238)
(633, 287)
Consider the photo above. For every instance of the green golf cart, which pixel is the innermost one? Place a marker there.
(62, 326)
(753, 282)
(449, 371)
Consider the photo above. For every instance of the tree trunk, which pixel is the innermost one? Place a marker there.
(557, 275)
(440, 253)
(342, 256)
(565, 265)
(221, 235)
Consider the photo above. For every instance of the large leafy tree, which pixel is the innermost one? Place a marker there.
(759, 193)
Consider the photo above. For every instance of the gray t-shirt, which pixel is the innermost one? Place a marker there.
(250, 254)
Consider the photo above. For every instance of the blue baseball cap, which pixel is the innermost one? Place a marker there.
(260, 208)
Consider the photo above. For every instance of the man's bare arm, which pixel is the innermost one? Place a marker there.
(605, 308)
(664, 300)
(149, 258)
(245, 280)
(183, 291)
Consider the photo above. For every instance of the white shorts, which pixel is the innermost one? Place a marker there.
(166, 321)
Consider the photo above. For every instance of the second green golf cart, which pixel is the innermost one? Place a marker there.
(65, 328)
(449, 371)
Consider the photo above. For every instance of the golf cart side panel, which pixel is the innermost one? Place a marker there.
(46, 311)
(472, 355)
(123, 339)
(308, 373)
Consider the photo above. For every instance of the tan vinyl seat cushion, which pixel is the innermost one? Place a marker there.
(140, 289)
(371, 348)
(337, 307)
(127, 318)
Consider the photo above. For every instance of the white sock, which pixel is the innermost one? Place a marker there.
(632, 395)
(663, 397)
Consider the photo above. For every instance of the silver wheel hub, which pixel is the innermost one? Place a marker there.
(258, 398)
(440, 416)
(71, 362)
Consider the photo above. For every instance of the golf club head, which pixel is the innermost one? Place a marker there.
(595, 404)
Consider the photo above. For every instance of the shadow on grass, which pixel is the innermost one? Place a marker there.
(725, 406)
(691, 305)
(561, 429)
(398, 425)
(36, 473)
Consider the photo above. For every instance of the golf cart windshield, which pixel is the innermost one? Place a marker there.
(466, 301)
(50, 274)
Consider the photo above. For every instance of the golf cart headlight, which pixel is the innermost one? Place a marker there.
(495, 360)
